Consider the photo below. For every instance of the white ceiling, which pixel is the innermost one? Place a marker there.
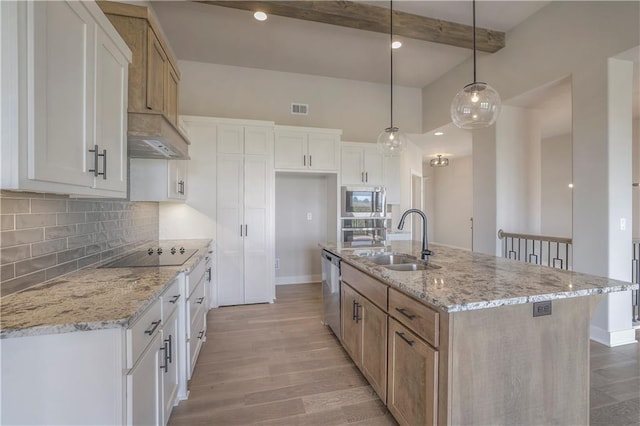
(205, 33)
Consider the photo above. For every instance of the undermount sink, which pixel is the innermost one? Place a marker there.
(392, 259)
(401, 262)
(412, 266)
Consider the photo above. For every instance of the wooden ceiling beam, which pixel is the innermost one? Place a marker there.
(374, 18)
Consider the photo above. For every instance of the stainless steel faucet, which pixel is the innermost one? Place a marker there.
(425, 251)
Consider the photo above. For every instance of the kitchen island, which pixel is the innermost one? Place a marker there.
(473, 339)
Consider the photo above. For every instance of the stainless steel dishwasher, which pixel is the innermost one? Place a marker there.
(331, 291)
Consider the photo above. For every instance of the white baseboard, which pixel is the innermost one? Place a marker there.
(298, 279)
(613, 338)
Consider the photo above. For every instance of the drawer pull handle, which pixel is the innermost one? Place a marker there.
(152, 328)
(175, 298)
(200, 300)
(402, 336)
(209, 272)
(201, 334)
(403, 311)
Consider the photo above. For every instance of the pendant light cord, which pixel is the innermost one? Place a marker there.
(391, 55)
(474, 42)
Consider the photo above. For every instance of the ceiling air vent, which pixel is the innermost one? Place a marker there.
(300, 109)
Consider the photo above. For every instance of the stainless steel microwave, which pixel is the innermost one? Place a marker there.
(363, 201)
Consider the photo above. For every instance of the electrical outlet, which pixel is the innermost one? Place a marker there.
(277, 263)
(623, 224)
(309, 216)
(542, 308)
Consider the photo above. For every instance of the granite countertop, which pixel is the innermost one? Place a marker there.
(468, 281)
(92, 298)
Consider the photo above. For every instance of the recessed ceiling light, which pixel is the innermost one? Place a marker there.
(260, 16)
(439, 133)
(396, 45)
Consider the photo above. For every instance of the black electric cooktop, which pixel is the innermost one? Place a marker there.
(153, 257)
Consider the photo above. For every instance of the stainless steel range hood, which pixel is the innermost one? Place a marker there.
(152, 135)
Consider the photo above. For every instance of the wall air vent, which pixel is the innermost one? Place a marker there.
(299, 109)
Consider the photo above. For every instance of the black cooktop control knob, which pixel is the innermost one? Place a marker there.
(182, 250)
(173, 250)
(159, 250)
(150, 251)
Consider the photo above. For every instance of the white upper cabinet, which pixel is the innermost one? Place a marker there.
(300, 148)
(64, 99)
(361, 164)
(158, 180)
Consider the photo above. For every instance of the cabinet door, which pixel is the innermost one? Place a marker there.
(351, 324)
(230, 251)
(177, 179)
(63, 72)
(230, 139)
(374, 347)
(144, 386)
(290, 150)
(323, 151)
(258, 141)
(373, 167)
(258, 271)
(111, 115)
(352, 166)
(413, 386)
(171, 99)
(156, 72)
(171, 373)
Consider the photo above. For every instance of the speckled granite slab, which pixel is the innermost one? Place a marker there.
(91, 298)
(468, 281)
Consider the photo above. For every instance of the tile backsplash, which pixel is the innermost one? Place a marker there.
(43, 236)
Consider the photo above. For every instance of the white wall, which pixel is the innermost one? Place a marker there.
(297, 237)
(518, 170)
(360, 109)
(452, 202)
(556, 200)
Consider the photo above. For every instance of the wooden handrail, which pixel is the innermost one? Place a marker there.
(563, 240)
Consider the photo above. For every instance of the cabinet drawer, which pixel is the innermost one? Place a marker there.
(197, 303)
(196, 275)
(418, 317)
(369, 287)
(142, 332)
(171, 298)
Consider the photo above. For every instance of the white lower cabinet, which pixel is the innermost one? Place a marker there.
(196, 310)
(112, 376)
(144, 390)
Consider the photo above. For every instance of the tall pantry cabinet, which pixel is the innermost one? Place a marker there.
(245, 181)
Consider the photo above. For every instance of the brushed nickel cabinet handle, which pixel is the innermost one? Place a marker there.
(95, 160)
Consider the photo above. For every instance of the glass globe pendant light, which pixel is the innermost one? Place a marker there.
(477, 104)
(391, 141)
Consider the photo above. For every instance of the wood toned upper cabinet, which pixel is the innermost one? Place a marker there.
(413, 377)
(153, 75)
(157, 70)
(171, 100)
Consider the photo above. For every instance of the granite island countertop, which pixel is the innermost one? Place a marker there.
(92, 298)
(468, 280)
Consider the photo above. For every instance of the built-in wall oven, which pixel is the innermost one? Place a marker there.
(364, 212)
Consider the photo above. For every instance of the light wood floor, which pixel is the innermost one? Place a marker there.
(276, 364)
